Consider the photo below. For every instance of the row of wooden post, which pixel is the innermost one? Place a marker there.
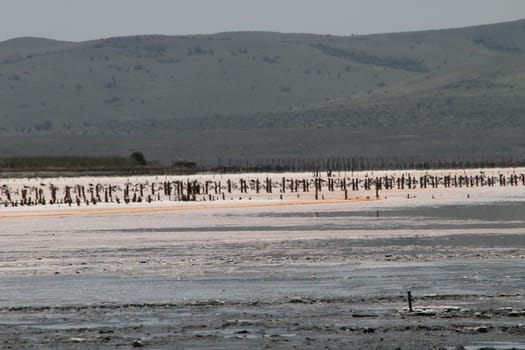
(192, 190)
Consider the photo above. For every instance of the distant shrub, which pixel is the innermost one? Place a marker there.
(159, 48)
(198, 50)
(271, 60)
(112, 83)
(113, 99)
(138, 157)
(46, 125)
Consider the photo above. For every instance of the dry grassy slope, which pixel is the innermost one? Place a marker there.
(157, 78)
(159, 86)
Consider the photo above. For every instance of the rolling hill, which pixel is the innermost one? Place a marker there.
(442, 94)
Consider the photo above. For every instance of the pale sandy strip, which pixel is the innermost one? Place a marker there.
(158, 209)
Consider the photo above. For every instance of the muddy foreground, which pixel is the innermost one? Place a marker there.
(316, 276)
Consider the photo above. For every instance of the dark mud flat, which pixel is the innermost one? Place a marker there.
(296, 323)
(322, 277)
(295, 294)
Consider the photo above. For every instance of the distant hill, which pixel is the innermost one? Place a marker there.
(450, 94)
(32, 43)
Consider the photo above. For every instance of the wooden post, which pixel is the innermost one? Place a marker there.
(409, 297)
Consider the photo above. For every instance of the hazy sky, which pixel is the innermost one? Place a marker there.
(93, 19)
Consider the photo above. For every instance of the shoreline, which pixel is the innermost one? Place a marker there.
(169, 207)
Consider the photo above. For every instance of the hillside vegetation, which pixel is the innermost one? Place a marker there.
(255, 95)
